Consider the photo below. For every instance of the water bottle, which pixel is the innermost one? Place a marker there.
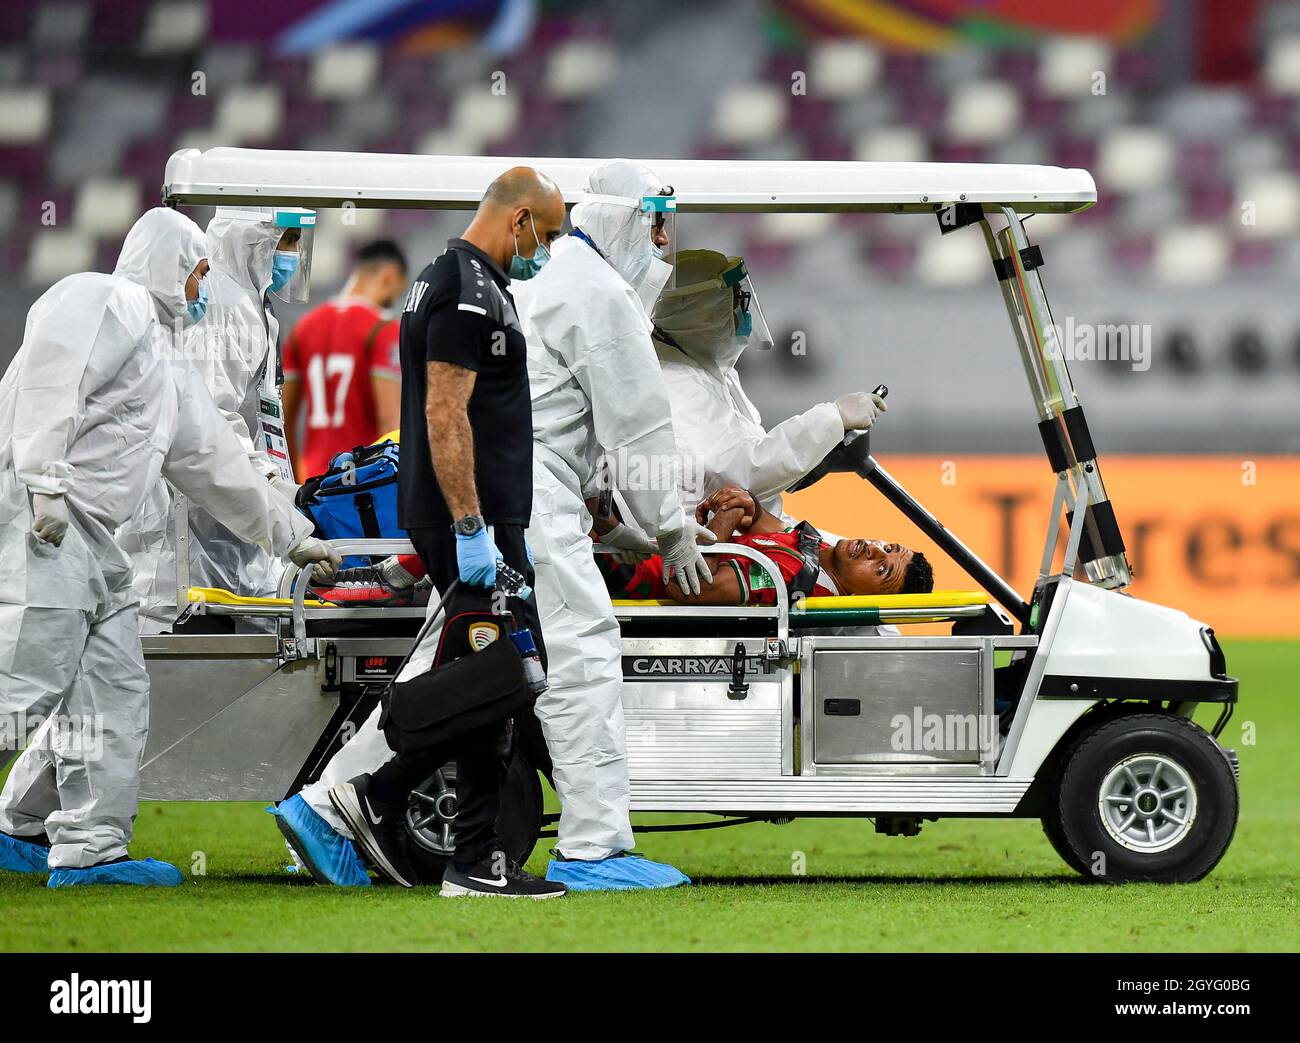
(511, 582)
(534, 674)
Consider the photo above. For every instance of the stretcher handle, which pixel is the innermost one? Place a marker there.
(763, 561)
(289, 582)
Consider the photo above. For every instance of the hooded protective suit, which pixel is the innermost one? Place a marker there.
(94, 407)
(596, 388)
(234, 353)
(720, 434)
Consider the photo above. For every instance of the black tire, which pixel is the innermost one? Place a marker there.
(518, 822)
(1172, 833)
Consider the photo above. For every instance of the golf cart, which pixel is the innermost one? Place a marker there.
(1072, 703)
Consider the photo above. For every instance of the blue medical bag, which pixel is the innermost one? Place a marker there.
(356, 498)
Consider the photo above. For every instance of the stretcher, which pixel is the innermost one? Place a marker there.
(1071, 703)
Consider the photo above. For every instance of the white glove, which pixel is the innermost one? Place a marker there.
(285, 488)
(633, 544)
(325, 558)
(684, 559)
(394, 574)
(859, 409)
(49, 517)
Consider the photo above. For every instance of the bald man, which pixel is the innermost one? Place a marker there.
(465, 496)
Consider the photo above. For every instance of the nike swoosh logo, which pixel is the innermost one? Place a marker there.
(499, 882)
(365, 806)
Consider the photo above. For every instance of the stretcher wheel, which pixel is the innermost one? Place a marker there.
(1143, 797)
(431, 817)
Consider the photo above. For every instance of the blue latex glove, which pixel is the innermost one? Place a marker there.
(529, 552)
(476, 558)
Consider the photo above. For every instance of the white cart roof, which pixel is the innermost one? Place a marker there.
(323, 179)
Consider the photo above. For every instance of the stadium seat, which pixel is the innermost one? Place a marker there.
(249, 114)
(106, 206)
(1191, 255)
(24, 114)
(750, 114)
(579, 68)
(892, 145)
(1134, 157)
(1068, 66)
(843, 69)
(1282, 65)
(174, 26)
(58, 251)
(344, 71)
(59, 26)
(1273, 198)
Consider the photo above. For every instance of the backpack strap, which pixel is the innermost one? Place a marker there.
(809, 547)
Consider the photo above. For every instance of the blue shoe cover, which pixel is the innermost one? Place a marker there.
(618, 873)
(329, 857)
(21, 856)
(148, 872)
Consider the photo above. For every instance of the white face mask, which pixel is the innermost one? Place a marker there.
(653, 281)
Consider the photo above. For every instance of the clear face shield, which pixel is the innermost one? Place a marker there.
(660, 213)
(751, 326)
(291, 271)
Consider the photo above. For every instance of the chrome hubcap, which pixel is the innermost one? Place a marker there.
(1147, 803)
(431, 812)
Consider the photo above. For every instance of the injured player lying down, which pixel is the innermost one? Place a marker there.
(810, 566)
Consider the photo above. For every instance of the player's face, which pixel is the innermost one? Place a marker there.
(871, 566)
(392, 284)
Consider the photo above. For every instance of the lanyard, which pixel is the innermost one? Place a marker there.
(579, 233)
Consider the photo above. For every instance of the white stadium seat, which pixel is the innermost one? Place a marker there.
(175, 25)
(750, 114)
(579, 68)
(1131, 158)
(56, 252)
(892, 145)
(344, 71)
(1188, 255)
(843, 69)
(483, 117)
(1068, 65)
(249, 114)
(1282, 65)
(106, 206)
(24, 115)
(960, 259)
(1272, 198)
(984, 111)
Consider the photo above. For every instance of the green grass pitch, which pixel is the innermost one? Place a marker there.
(960, 885)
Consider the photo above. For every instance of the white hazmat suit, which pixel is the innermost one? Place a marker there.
(233, 351)
(719, 432)
(596, 389)
(94, 408)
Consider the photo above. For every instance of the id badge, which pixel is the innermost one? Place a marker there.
(277, 446)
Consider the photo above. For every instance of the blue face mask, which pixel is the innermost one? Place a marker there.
(527, 267)
(282, 269)
(196, 309)
(744, 323)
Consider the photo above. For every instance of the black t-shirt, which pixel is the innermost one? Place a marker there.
(460, 311)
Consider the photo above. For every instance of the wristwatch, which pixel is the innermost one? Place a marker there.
(468, 525)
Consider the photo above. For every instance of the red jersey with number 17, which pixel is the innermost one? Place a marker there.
(334, 351)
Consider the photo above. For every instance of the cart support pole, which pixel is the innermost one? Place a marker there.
(1061, 422)
(953, 547)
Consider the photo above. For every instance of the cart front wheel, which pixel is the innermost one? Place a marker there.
(1147, 797)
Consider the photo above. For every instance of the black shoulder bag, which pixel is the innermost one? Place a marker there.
(477, 679)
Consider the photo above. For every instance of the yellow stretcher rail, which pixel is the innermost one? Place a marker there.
(217, 596)
(936, 599)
